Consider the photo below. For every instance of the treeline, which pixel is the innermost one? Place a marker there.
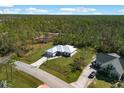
(104, 33)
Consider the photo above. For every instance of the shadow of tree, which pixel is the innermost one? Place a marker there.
(104, 77)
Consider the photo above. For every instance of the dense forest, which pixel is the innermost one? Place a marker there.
(103, 33)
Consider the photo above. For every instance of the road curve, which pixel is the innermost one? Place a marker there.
(47, 78)
(83, 80)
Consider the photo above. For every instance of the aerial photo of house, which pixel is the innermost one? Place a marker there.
(61, 46)
(61, 50)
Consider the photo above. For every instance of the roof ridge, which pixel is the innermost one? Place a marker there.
(112, 56)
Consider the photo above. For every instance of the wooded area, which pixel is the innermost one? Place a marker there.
(103, 33)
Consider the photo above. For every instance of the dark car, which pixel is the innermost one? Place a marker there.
(92, 74)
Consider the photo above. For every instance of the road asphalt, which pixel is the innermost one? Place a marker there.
(49, 79)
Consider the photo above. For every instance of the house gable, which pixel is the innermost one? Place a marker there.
(104, 58)
(61, 50)
(116, 63)
(114, 60)
(122, 62)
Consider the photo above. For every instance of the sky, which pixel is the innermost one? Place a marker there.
(63, 9)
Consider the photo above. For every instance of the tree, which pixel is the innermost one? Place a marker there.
(76, 65)
(103, 33)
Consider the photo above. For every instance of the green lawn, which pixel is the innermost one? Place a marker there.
(60, 67)
(35, 54)
(18, 79)
(99, 84)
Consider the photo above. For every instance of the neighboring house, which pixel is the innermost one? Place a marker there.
(111, 61)
(60, 50)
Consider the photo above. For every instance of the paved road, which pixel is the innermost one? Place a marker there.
(47, 78)
(83, 81)
(39, 62)
(5, 59)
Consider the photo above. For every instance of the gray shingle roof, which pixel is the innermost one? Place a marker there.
(118, 66)
(118, 63)
(103, 58)
(122, 62)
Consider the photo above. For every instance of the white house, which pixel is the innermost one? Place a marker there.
(68, 50)
(51, 52)
(60, 50)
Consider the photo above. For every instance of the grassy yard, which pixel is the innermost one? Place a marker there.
(18, 79)
(34, 54)
(99, 84)
(60, 67)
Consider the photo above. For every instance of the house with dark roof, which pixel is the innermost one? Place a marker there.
(110, 62)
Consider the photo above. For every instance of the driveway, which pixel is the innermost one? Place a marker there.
(83, 80)
(49, 79)
(42, 60)
(39, 62)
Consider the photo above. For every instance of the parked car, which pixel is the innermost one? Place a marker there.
(92, 74)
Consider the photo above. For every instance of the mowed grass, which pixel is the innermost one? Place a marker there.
(21, 79)
(60, 67)
(34, 54)
(99, 84)
(18, 79)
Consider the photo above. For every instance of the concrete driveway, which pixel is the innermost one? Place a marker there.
(83, 80)
(39, 62)
(42, 60)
